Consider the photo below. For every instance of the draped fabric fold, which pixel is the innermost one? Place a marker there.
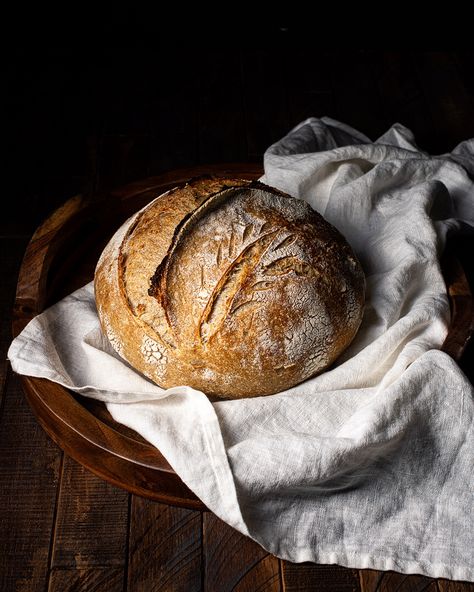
(368, 464)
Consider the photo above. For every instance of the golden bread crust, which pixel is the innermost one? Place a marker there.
(230, 287)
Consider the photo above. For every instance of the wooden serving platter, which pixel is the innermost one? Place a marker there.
(60, 258)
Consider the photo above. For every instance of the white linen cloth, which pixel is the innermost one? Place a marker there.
(370, 464)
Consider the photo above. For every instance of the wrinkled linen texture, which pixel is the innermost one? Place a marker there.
(370, 464)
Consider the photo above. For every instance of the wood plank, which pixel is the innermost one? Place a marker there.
(165, 548)
(379, 581)
(393, 581)
(417, 583)
(29, 475)
(235, 562)
(11, 254)
(369, 579)
(450, 586)
(263, 577)
(92, 521)
(95, 579)
(306, 577)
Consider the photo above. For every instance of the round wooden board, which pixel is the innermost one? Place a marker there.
(60, 258)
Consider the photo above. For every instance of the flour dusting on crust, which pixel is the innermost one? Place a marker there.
(152, 351)
(230, 287)
(115, 341)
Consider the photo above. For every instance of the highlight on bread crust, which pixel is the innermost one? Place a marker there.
(230, 287)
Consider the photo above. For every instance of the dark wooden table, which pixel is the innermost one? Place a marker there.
(62, 528)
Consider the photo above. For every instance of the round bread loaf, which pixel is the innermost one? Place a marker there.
(230, 287)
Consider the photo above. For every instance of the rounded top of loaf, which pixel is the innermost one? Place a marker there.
(230, 287)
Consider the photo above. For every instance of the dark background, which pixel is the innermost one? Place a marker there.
(86, 120)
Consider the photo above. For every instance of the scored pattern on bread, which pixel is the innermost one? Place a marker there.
(232, 280)
(159, 281)
(231, 287)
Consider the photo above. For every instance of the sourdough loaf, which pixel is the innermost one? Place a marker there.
(229, 286)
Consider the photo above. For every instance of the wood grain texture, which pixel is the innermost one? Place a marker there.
(379, 581)
(94, 579)
(110, 454)
(165, 548)
(369, 579)
(29, 475)
(235, 562)
(306, 577)
(11, 254)
(265, 576)
(462, 307)
(449, 586)
(46, 242)
(91, 525)
(410, 583)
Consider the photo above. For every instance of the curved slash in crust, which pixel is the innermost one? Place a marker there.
(248, 229)
(159, 281)
(286, 242)
(289, 264)
(121, 267)
(231, 281)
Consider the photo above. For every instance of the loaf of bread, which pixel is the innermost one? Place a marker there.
(230, 287)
